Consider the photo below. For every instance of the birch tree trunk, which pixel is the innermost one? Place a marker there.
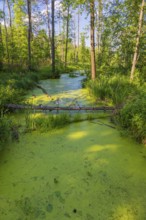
(137, 40)
(92, 39)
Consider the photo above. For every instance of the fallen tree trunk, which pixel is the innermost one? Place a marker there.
(52, 108)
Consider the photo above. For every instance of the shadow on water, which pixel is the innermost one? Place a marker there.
(84, 171)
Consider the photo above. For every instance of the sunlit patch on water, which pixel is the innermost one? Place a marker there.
(77, 135)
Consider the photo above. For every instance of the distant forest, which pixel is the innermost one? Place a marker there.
(117, 30)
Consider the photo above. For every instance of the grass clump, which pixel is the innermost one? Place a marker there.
(115, 89)
(46, 123)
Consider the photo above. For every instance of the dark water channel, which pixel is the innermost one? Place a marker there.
(85, 171)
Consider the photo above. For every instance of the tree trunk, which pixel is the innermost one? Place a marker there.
(92, 40)
(6, 32)
(99, 24)
(137, 41)
(1, 49)
(53, 38)
(67, 33)
(9, 11)
(78, 34)
(29, 33)
(11, 29)
(48, 24)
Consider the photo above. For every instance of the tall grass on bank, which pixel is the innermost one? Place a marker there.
(114, 88)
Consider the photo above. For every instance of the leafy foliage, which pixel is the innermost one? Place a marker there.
(132, 116)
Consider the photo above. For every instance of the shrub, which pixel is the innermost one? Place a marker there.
(132, 117)
(9, 95)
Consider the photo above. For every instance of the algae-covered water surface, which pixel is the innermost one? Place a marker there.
(85, 171)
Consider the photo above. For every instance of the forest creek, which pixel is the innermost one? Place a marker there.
(84, 171)
(72, 110)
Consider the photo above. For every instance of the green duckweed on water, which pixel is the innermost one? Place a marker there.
(84, 171)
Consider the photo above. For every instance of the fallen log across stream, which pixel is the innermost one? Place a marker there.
(59, 108)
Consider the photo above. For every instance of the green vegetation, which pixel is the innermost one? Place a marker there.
(129, 97)
(132, 116)
(50, 165)
(48, 122)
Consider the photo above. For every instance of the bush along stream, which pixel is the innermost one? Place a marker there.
(56, 169)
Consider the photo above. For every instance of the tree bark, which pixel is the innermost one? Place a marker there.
(1, 49)
(11, 29)
(67, 33)
(53, 38)
(66, 108)
(9, 11)
(29, 34)
(6, 32)
(48, 24)
(92, 40)
(78, 34)
(137, 41)
(99, 24)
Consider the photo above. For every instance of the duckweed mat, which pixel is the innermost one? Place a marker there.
(85, 171)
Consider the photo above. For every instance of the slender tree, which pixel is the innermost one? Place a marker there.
(53, 37)
(137, 40)
(6, 34)
(92, 39)
(67, 34)
(48, 22)
(8, 2)
(1, 46)
(99, 24)
(78, 43)
(29, 34)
